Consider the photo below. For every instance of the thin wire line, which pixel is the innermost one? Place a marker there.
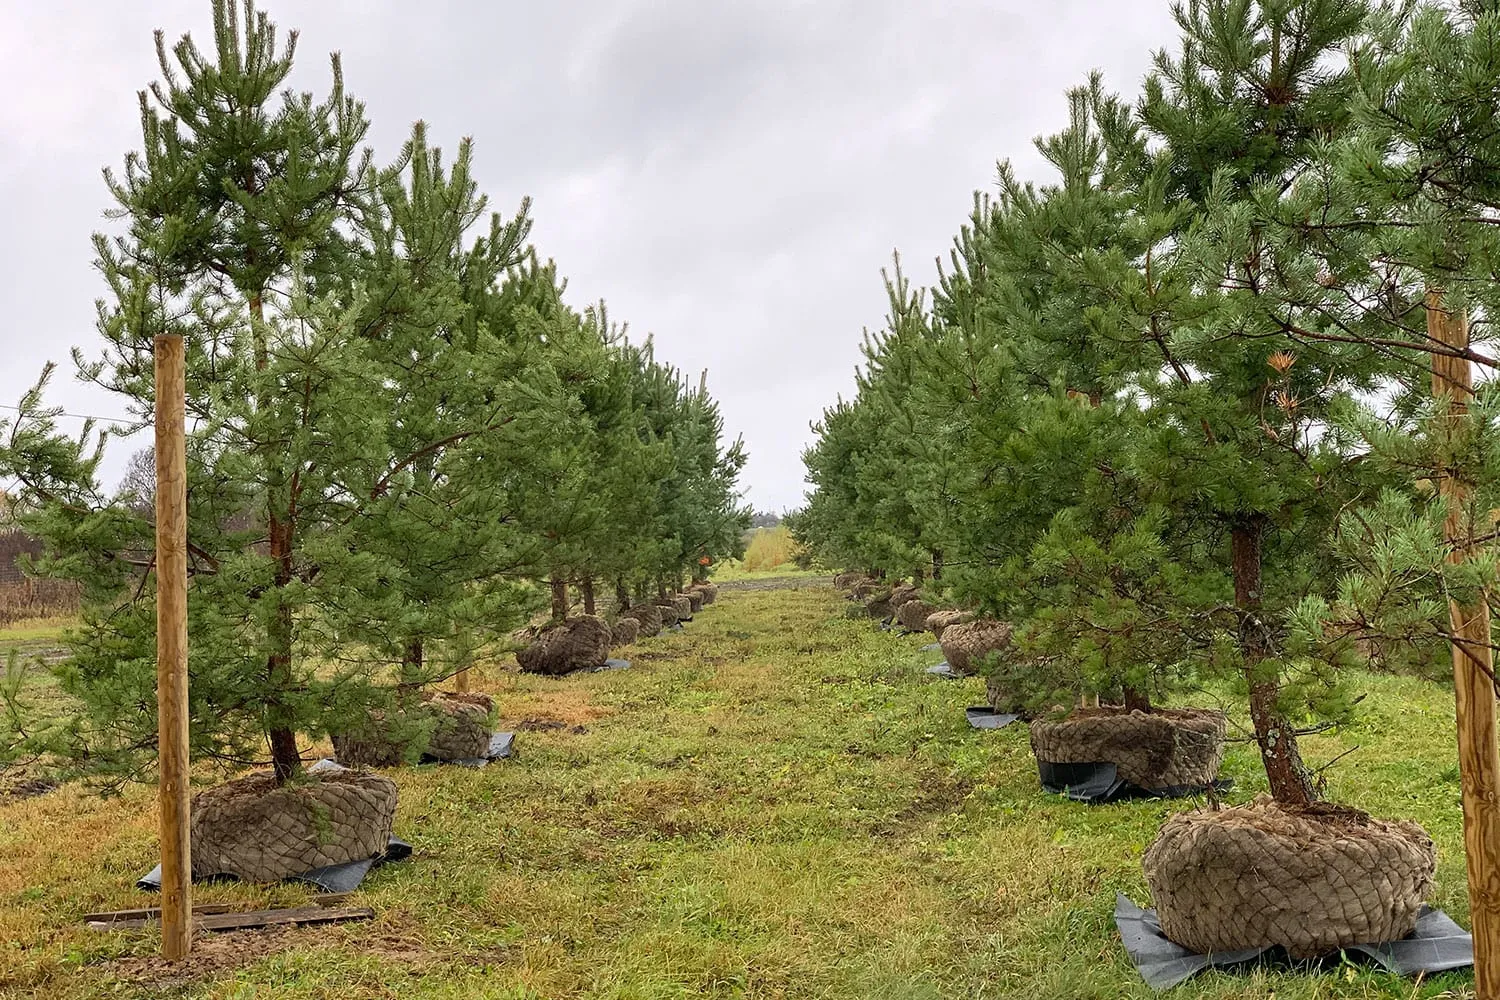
(78, 416)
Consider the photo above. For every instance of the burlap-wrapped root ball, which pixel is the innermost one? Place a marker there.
(901, 593)
(668, 612)
(939, 620)
(912, 615)
(684, 607)
(255, 831)
(868, 588)
(846, 581)
(1312, 879)
(1000, 697)
(576, 644)
(456, 727)
(463, 730)
(370, 745)
(965, 645)
(648, 616)
(694, 599)
(708, 591)
(625, 631)
(878, 604)
(1167, 748)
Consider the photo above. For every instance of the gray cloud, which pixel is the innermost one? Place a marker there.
(729, 177)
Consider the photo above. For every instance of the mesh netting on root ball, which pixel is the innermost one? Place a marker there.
(878, 605)
(647, 615)
(867, 588)
(913, 615)
(694, 599)
(965, 645)
(1002, 699)
(1167, 748)
(447, 726)
(463, 730)
(669, 615)
(625, 631)
(901, 593)
(939, 620)
(576, 644)
(708, 591)
(684, 607)
(258, 832)
(845, 581)
(1312, 879)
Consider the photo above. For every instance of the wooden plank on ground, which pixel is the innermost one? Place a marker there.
(149, 913)
(253, 919)
(154, 912)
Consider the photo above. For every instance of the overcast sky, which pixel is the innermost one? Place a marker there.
(728, 176)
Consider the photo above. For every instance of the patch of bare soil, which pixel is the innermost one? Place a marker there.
(213, 955)
(936, 796)
(17, 787)
(549, 726)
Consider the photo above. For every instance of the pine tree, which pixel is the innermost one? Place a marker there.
(1230, 443)
(304, 283)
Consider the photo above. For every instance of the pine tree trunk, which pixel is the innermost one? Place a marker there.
(412, 655)
(411, 661)
(588, 595)
(1291, 784)
(622, 595)
(661, 588)
(1137, 700)
(937, 564)
(281, 733)
(1473, 670)
(286, 760)
(559, 599)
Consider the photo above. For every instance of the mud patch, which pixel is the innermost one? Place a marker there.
(213, 956)
(18, 788)
(936, 796)
(550, 726)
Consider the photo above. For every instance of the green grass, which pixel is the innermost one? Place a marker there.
(777, 803)
(34, 630)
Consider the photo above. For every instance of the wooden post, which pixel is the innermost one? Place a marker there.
(1473, 670)
(171, 650)
(461, 681)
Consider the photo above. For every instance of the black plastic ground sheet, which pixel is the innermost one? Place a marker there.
(1437, 945)
(985, 717)
(1098, 783)
(330, 878)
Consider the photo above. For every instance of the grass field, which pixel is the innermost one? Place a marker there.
(776, 803)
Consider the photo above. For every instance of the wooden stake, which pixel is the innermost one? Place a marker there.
(171, 650)
(1473, 671)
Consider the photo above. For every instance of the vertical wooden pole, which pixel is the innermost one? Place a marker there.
(461, 681)
(171, 650)
(1473, 670)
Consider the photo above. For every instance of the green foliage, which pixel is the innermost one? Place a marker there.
(396, 424)
(1168, 414)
